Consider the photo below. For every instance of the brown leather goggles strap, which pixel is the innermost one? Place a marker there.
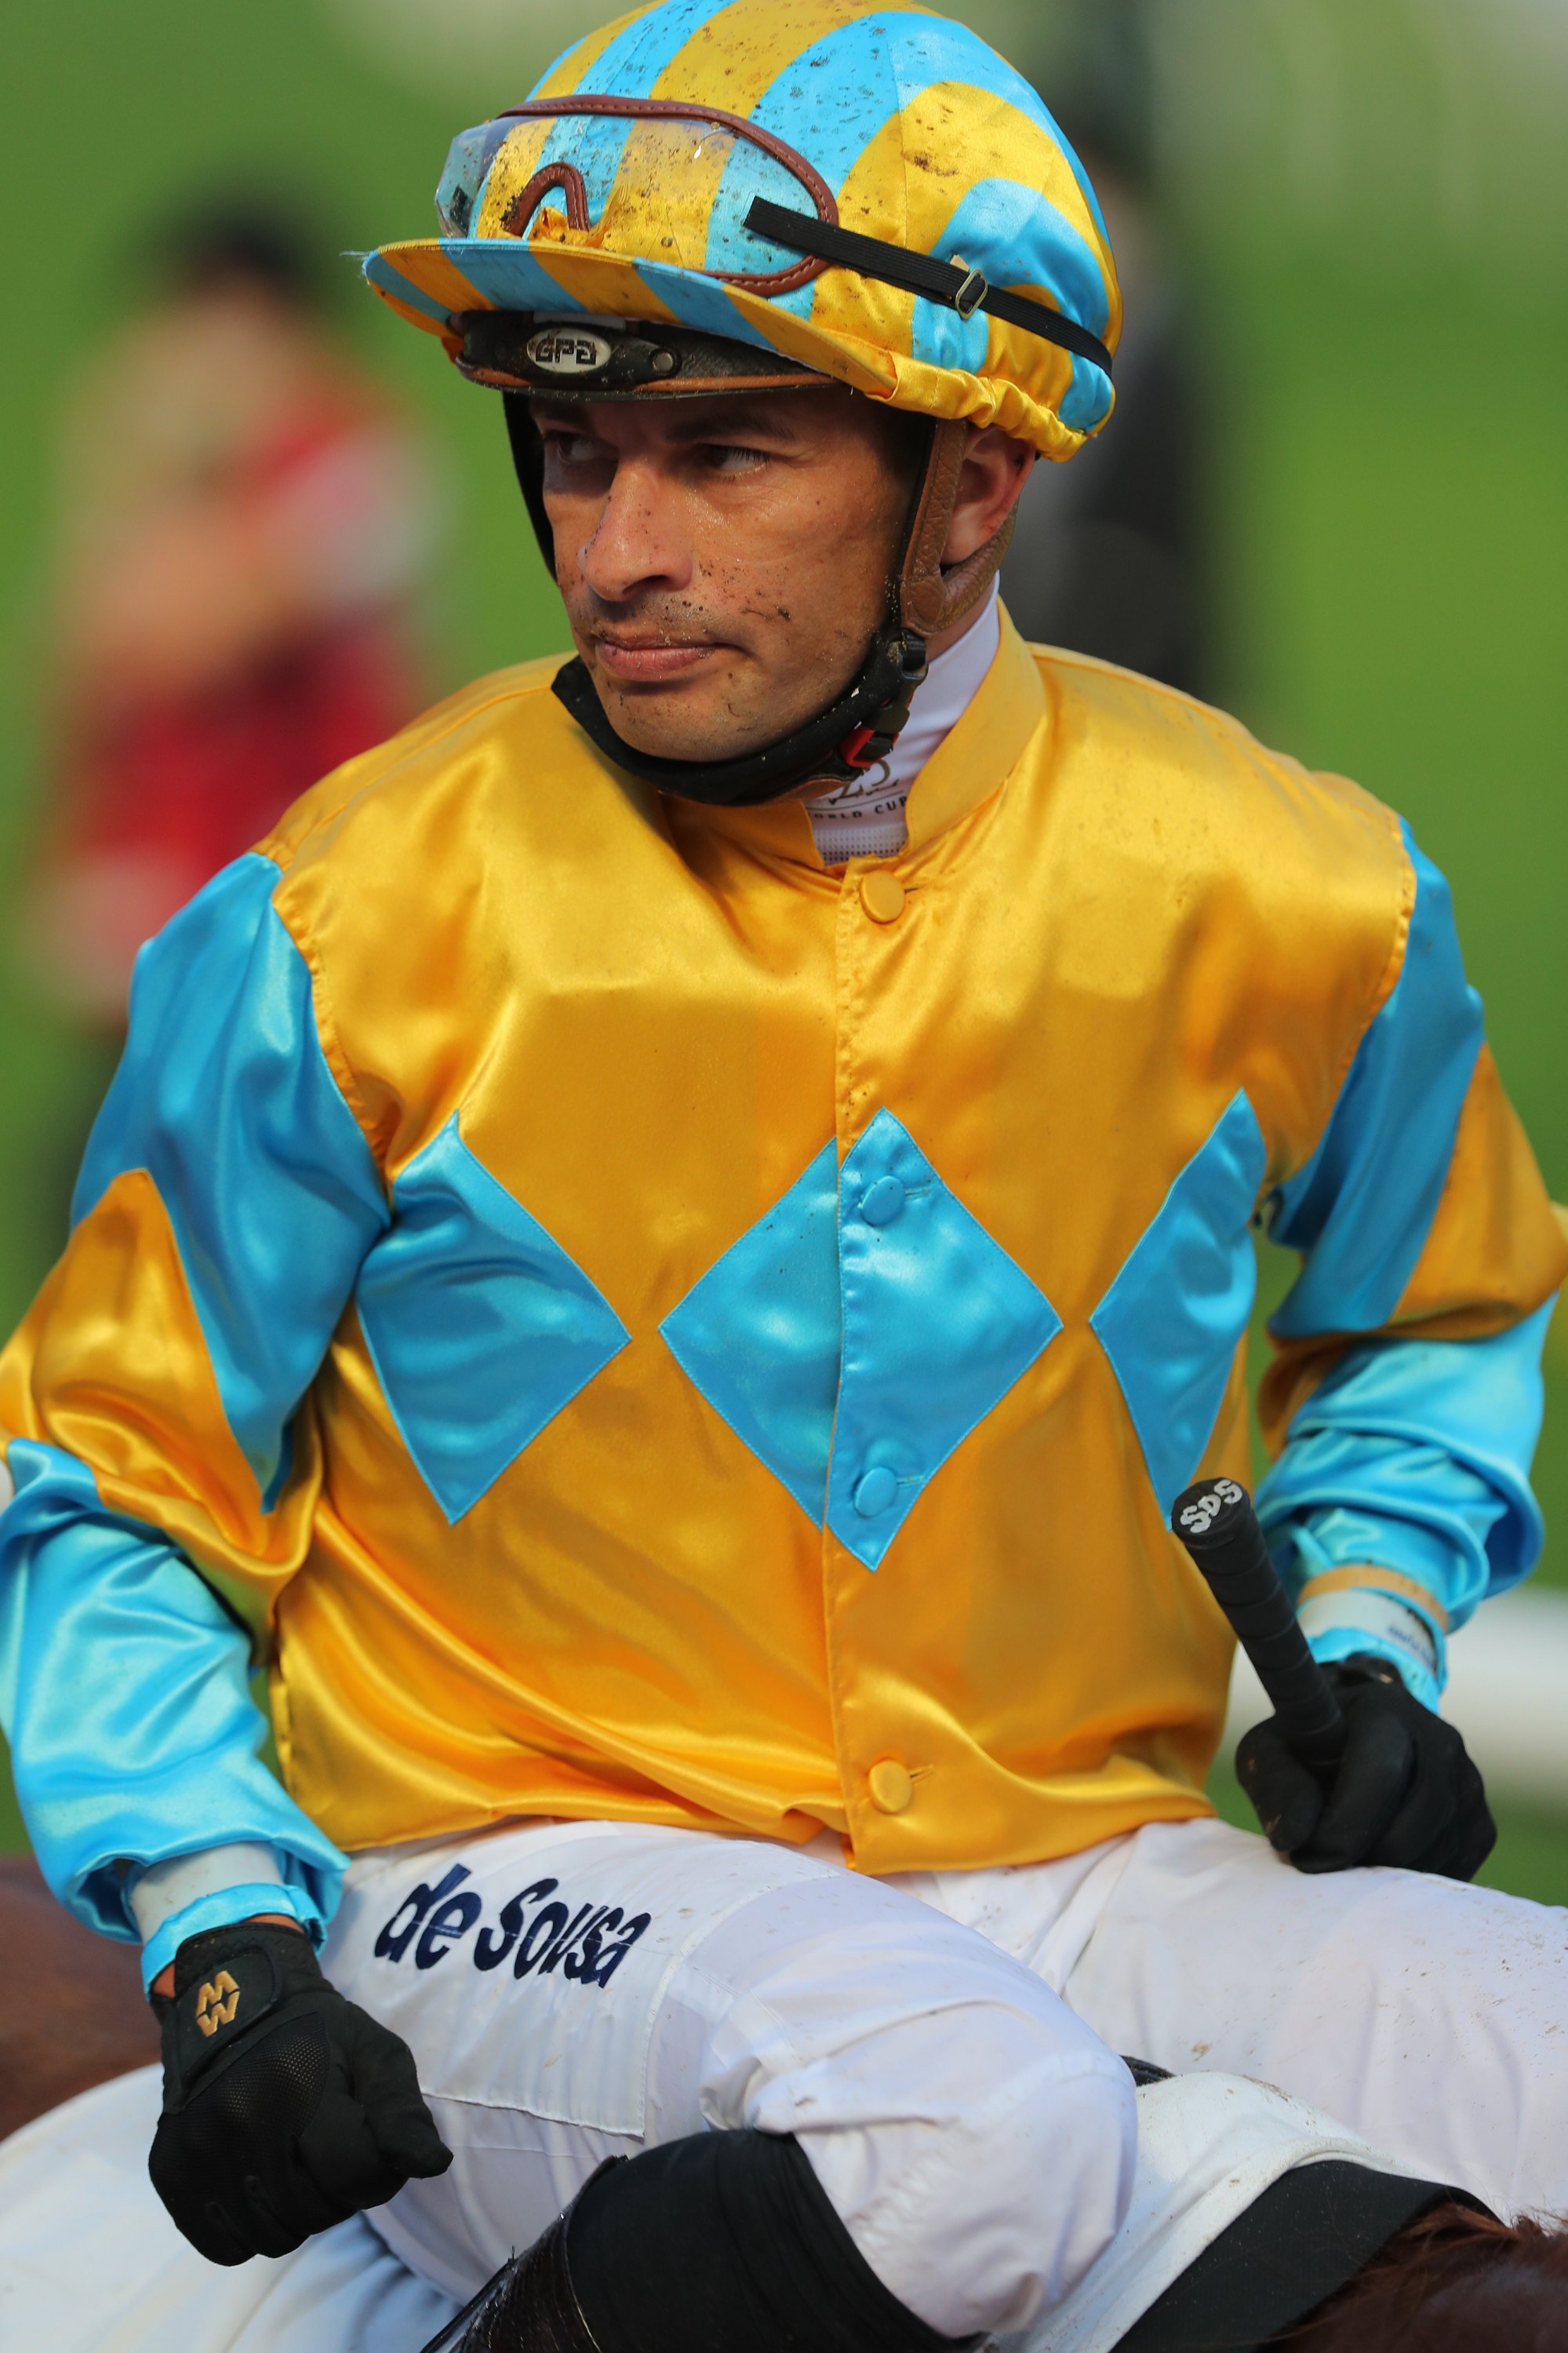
(929, 599)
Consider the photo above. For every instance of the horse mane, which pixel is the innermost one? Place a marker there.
(1451, 2282)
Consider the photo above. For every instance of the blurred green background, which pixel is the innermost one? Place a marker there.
(1367, 204)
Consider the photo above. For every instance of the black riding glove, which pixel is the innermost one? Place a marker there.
(1405, 1791)
(285, 2107)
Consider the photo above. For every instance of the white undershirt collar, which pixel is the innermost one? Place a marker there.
(865, 819)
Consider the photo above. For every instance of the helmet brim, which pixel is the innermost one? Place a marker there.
(436, 283)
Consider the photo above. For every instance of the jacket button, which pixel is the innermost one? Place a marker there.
(890, 1785)
(881, 895)
(876, 1493)
(883, 1201)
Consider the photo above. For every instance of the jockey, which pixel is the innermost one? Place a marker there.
(658, 1253)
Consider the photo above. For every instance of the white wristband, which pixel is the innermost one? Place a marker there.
(1394, 1625)
(165, 1888)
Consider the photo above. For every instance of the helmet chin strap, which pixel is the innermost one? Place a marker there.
(858, 728)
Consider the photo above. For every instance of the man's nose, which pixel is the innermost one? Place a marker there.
(638, 541)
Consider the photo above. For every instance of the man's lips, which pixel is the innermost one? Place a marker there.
(649, 660)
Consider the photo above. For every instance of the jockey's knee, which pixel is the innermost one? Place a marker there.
(974, 2138)
(733, 2238)
(981, 2211)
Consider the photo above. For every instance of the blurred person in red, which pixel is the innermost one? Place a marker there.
(247, 524)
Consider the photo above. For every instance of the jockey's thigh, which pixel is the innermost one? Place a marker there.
(1428, 2016)
(574, 1992)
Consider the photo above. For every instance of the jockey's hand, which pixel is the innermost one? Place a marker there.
(1405, 1791)
(285, 2107)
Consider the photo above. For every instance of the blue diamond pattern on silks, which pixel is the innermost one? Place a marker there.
(1172, 1319)
(758, 1335)
(937, 1324)
(480, 1325)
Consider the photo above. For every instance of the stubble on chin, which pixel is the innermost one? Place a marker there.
(708, 718)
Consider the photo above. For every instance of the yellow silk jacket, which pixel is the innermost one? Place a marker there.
(637, 1323)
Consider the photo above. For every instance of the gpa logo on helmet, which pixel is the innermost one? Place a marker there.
(569, 351)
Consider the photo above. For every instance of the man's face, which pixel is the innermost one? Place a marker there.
(724, 562)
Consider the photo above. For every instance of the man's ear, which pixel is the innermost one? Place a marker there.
(995, 469)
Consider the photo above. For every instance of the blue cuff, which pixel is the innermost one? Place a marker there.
(217, 1911)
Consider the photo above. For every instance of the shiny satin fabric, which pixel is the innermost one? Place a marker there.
(640, 1022)
(1361, 1234)
(127, 1702)
(1406, 1473)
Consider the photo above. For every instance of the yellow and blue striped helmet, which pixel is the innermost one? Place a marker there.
(869, 193)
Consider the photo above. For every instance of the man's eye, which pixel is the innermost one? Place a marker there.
(573, 448)
(731, 457)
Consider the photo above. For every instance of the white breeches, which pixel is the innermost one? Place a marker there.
(89, 2262)
(942, 2046)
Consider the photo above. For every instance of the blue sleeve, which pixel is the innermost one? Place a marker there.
(123, 1673)
(124, 1684)
(1411, 1455)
